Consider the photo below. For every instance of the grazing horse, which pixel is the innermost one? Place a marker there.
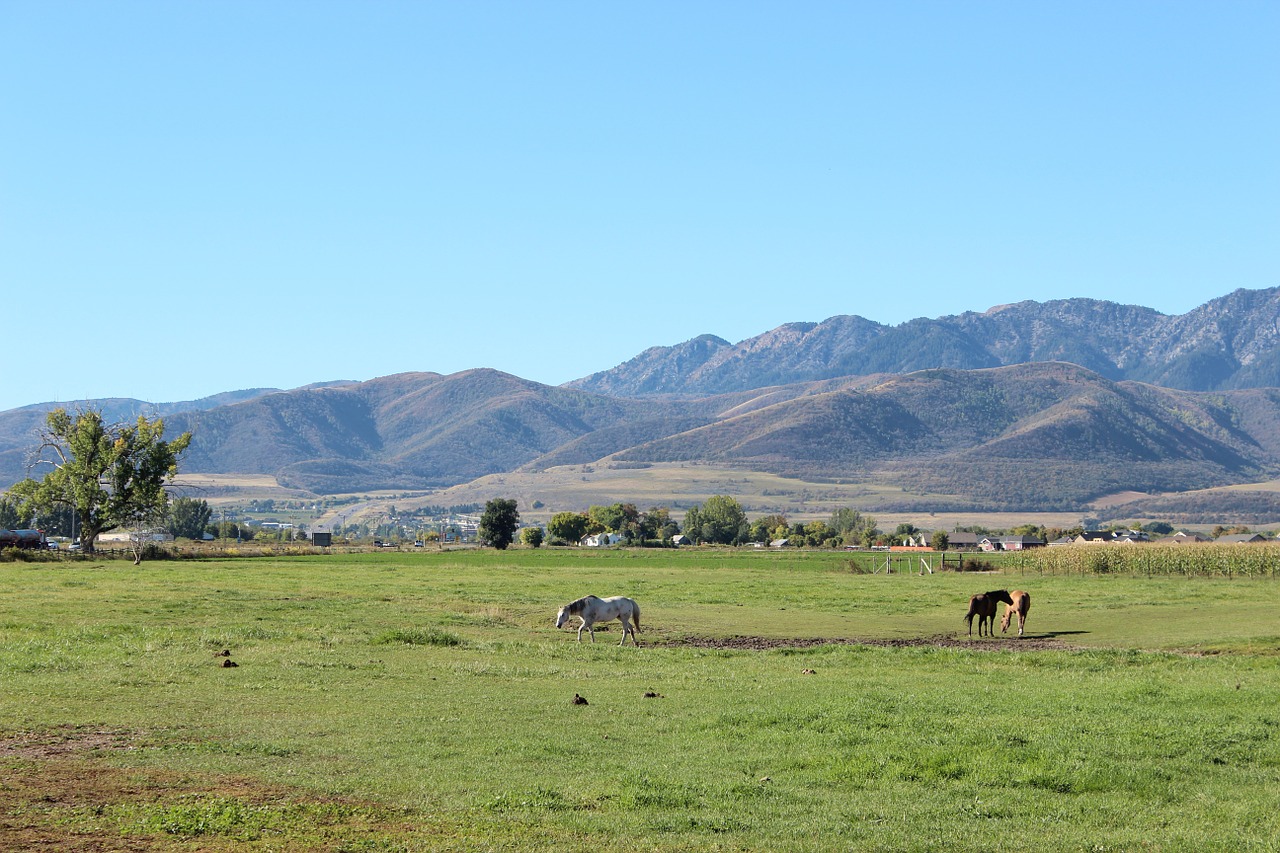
(591, 610)
(1020, 603)
(983, 605)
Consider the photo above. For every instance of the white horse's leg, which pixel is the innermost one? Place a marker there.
(580, 627)
(626, 629)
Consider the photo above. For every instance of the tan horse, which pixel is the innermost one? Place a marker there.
(983, 605)
(1020, 604)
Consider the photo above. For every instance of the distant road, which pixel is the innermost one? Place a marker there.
(341, 515)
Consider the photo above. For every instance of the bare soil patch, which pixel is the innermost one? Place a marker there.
(65, 740)
(986, 644)
(57, 793)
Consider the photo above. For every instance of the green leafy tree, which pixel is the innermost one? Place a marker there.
(817, 533)
(498, 523)
(11, 515)
(56, 520)
(762, 529)
(532, 536)
(109, 474)
(632, 532)
(1034, 530)
(852, 526)
(614, 517)
(939, 541)
(719, 521)
(189, 517)
(568, 526)
(655, 522)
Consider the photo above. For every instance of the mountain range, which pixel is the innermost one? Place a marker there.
(1032, 406)
(1230, 342)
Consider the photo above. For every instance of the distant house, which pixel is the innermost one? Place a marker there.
(1009, 543)
(680, 539)
(1019, 543)
(599, 540)
(1111, 537)
(1093, 537)
(1184, 538)
(1062, 540)
(962, 540)
(1241, 538)
(779, 543)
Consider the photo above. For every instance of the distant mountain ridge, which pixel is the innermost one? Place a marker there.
(1053, 432)
(1227, 343)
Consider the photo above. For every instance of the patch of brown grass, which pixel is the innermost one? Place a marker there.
(57, 792)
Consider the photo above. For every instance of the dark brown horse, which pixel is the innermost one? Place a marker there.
(1020, 603)
(983, 605)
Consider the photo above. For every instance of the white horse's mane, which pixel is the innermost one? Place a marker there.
(575, 607)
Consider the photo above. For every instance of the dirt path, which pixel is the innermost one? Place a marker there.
(986, 644)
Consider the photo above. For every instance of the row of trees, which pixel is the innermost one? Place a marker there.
(623, 519)
(720, 520)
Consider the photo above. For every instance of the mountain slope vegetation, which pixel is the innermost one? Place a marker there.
(1230, 342)
(1046, 407)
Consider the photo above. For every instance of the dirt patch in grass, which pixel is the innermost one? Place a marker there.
(65, 740)
(986, 644)
(57, 793)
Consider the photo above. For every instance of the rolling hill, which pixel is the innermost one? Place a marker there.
(1049, 407)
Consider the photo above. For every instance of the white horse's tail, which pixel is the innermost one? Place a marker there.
(635, 616)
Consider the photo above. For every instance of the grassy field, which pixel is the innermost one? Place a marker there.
(422, 701)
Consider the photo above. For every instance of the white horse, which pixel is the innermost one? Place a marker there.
(591, 610)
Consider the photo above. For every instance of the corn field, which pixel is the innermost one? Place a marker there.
(1200, 560)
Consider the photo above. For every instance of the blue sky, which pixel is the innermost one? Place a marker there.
(205, 196)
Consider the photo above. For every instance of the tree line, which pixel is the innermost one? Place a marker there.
(720, 520)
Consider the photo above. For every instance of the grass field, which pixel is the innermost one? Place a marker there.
(403, 702)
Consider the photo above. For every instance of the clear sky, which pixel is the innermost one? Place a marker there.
(204, 196)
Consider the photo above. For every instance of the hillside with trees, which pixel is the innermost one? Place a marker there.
(1056, 429)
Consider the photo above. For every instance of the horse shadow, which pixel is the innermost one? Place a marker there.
(1053, 635)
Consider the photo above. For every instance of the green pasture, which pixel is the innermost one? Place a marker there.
(1140, 713)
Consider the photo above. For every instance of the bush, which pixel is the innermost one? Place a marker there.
(26, 555)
